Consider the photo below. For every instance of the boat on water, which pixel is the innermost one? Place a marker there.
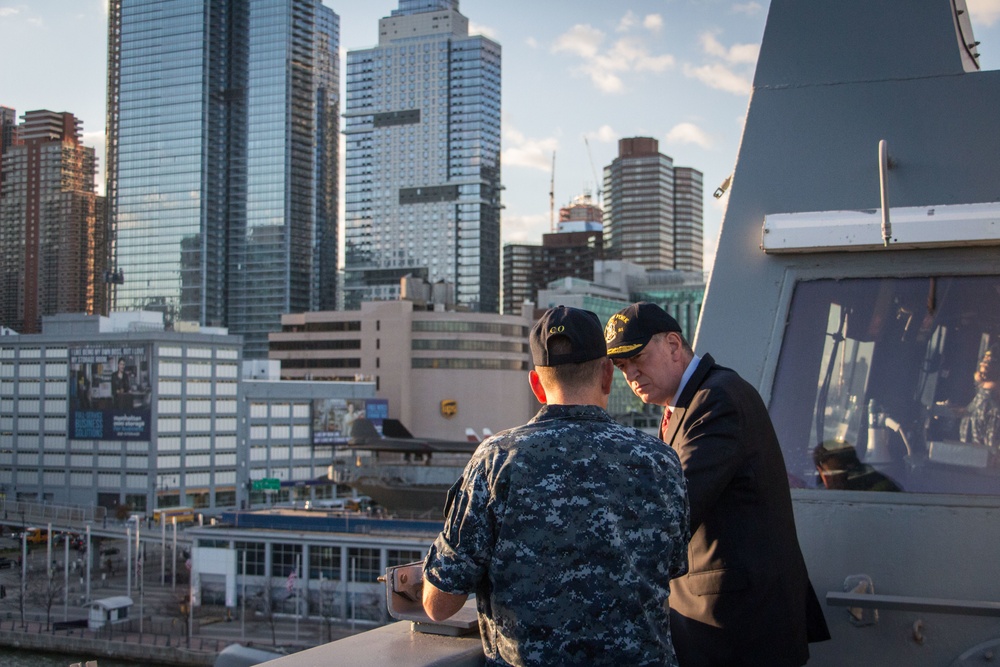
(856, 284)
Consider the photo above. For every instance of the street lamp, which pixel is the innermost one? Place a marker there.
(24, 565)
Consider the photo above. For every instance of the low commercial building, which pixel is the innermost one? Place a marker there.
(319, 564)
(441, 371)
(288, 434)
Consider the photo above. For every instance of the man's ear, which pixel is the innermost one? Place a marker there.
(607, 375)
(536, 386)
(675, 344)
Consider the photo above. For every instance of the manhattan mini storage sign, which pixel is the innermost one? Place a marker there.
(109, 392)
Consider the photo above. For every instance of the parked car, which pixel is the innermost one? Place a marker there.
(5, 563)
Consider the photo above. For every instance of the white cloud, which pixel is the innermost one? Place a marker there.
(735, 54)
(524, 228)
(604, 68)
(603, 80)
(627, 22)
(604, 134)
(631, 54)
(580, 40)
(520, 151)
(748, 8)
(22, 12)
(531, 42)
(485, 30)
(719, 77)
(985, 12)
(651, 22)
(689, 133)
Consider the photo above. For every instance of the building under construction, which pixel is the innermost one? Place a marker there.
(570, 252)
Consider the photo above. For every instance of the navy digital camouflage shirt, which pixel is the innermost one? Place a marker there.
(568, 530)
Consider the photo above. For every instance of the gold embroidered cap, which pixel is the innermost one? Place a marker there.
(628, 330)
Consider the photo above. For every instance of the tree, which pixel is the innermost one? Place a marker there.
(267, 605)
(327, 605)
(50, 590)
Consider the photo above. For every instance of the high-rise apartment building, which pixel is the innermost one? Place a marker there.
(520, 275)
(689, 220)
(652, 210)
(422, 122)
(52, 224)
(223, 123)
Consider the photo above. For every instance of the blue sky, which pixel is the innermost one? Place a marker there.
(676, 70)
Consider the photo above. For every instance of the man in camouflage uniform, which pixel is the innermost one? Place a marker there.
(568, 529)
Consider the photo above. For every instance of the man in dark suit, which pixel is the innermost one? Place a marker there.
(746, 599)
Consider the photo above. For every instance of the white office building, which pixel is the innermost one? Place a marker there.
(119, 413)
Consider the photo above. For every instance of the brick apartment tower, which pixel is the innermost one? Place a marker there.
(652, 210)
(52, 224)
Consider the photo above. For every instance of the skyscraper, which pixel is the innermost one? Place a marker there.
(222, 159)
(52, 223)
(652, 210)
(689, 220)
(422, 120)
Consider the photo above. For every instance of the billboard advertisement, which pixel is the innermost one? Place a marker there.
(333, 417)
(109, 392)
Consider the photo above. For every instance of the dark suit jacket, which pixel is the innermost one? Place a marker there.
(746, 599)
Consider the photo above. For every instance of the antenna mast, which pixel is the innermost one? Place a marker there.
(552, 196)
(597, 184)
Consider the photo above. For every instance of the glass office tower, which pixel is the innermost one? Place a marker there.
(422, 125)
(222, 160)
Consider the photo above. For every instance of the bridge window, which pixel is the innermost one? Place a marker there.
(892, 384)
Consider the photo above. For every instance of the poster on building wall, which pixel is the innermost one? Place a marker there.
(333, 418)
(109, 392)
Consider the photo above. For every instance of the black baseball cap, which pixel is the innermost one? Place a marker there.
(581, 327)
(630, 328)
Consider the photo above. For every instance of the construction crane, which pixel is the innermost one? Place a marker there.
(597, 184)
(552, 196)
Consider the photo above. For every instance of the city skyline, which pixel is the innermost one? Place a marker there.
(675, 70)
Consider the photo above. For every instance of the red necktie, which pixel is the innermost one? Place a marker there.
(665, 422)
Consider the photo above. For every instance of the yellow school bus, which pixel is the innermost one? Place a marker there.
(36, 535)
(169, 514)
